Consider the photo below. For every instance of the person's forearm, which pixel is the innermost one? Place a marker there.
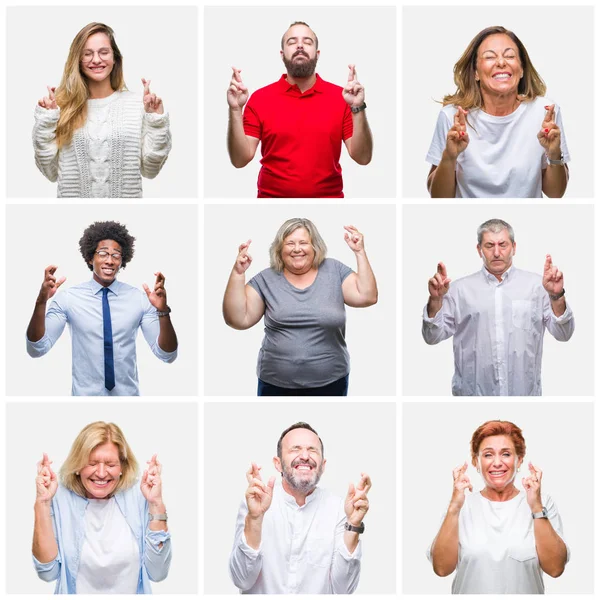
(44, 546)
(37, 325)
(442, 182)
(167, 338)
(361, 144)
(434, 306)
(551, 550)
(238, 146)
(559, 306)
(365, 279)
(444, 550)
(157, 508)
(253, 531)
(554, 180)
(351, 540)
(234, 301)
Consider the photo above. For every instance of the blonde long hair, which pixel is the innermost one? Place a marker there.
(90, 437)
(468, 93)
(288, 228)
(73, 92)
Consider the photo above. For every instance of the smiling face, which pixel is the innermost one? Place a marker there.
(499, 68)
(104, 265)
(301, 462)
(101, 475)
(299, 53)
(97, 59)
(297, 252)
(498, 461)
(497, 251)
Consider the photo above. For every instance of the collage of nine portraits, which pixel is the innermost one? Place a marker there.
(281, 207)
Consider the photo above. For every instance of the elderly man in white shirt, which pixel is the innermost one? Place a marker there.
(295, 537)
(497, 317)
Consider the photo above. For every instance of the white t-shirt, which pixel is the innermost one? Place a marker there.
(110, 558)
(504, 158)
(496, 546)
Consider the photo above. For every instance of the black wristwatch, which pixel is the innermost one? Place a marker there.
(357, 109)
(359, 529)
(558, 296)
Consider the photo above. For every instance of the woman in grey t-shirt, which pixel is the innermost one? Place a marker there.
(302, 297)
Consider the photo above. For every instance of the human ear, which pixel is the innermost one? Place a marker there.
(479, 251)
(277, 464)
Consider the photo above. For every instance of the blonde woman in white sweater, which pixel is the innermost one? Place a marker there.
(93, 136)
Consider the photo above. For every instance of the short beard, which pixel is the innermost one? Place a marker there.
(303, 69)
(304, 486)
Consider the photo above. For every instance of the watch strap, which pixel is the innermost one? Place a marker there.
(158, 517)
(359, 529)
(540, 515)
(558, 296)
(357, 109)
(164, 313)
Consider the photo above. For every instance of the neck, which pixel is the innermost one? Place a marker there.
(499, 105)
(299, 275)
(303, 83)
(299, 497)
(497, 276)
(509, 492)
(100, 89)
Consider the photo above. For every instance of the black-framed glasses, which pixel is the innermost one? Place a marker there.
(104, 254)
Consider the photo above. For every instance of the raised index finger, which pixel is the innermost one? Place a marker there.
(236, 74)
(352, 73)
(549, 116)
(548, 263)
(146, 84)
(160, 278)
(441, 269)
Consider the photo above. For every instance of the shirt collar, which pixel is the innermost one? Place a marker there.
(492, 278)
(96, 287)
(295, 90)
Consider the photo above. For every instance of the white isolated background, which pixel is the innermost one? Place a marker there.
(230, 355)
(251, 436)
(434, 38)
(167, 429)
(559, 439)
(159, 43)
(448, 233)
(249, 38)
(166, 241)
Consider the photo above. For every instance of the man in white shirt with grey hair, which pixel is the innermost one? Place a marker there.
(497, 317)
(294, 537)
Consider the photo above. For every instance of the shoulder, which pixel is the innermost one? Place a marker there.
(537, 106)
(328, 497)
(132, 496)
(333, 265)
(66, 499)
(265, 92)
(130, 97)
(330, 88)
(533, 278)
(466, 281)
(267, 274)
(125, 288)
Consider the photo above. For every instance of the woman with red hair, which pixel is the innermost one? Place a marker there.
(500, 539)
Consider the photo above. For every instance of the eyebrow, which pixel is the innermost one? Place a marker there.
(501, 450)
(294, 38)
(503, 52)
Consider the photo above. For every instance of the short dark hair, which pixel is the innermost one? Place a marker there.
(299, 23)
(106, 230)
(298, 425)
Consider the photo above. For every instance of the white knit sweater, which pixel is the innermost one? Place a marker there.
(108, 156)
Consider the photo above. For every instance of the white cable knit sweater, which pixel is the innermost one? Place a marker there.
(108, 156)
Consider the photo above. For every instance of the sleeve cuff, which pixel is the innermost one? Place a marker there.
(566, 316)
(348, 556)
(155, 538)
(437, 320)
(156, 120)
(38, 348)
(47, 115)
(168, 357)
(248, 550)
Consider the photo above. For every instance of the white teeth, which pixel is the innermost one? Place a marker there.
(502, 76)
(303, 467)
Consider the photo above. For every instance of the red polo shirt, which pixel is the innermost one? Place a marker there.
(301, 138)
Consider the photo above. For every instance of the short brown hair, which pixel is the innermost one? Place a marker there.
(490, 428)
(90, 437)
(298, 425)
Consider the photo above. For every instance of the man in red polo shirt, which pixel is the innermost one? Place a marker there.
(301, 121)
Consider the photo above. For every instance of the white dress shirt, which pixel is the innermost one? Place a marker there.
(81, 307)
(498, 329)
(302, 548)
(496, 546)
(110, 557)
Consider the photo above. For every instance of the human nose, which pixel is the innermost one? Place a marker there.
(497, 462)
(496, 251)
(500, 61)
(304, 454)
(101, 470)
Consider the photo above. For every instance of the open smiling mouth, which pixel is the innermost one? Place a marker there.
(101, 483)
(502, 76)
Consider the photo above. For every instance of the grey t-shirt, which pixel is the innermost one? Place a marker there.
(304, 344)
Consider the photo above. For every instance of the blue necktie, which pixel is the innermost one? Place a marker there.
(109, 363)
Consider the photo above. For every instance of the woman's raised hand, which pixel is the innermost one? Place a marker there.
(354, 238)
(151, 484)
(461, 483)
(457, 139)
(152, 103)
(549, 134)
(48, 102)
(533, 488)
(46, 482)
(243, 260)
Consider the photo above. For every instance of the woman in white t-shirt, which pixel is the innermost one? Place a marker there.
(497, 135)
(91, 135)
(96, 532)
(500, 539)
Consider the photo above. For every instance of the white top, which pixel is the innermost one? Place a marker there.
(302, 549)
(110, 558)
(496, 546)
(498, 329)
(504, 158)
(107, 157)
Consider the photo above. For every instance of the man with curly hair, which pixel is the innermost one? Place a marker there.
(104, 316)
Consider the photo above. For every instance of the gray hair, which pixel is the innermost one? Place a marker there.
(495, 226)
(287, 229)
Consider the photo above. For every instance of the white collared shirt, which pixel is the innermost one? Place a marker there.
(498, 329)
(302, 548)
